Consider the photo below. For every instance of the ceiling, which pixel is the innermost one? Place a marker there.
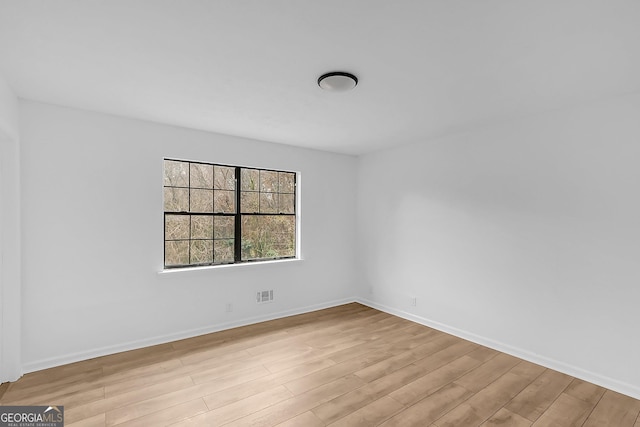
(426, 68)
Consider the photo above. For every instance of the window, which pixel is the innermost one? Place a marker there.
(220, 214)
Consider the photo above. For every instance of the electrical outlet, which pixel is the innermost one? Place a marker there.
(414, 301)
(229, 307)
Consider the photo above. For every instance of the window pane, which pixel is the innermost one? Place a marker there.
(268, 181)
(201, 251)
(176, 227)
(201, 200)
(287, 182)
(224, 227)
(201, 176)
(205, 231)
(223, 250)
(287, 203)
(225, 201)
(249, 202)
(252, 244)
(176, 199)
(250, 179)
(176, 174)
(201, 227)
(268, 236)
(176, 253)
(284, 232)
(225, 178)
(268, 203)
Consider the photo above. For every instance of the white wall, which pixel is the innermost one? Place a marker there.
(524, 236)
(93, 236)
(9, 126)
(10, 365)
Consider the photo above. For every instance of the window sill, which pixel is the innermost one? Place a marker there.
(172, 271)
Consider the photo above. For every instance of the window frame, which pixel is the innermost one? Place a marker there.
(237, 215)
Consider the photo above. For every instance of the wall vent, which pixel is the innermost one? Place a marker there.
(264, 296)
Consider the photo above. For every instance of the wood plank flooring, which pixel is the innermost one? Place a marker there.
(345, 366)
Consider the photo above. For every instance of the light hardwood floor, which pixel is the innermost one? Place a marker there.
(345, 366)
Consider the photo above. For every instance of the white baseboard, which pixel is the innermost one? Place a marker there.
(610, 383)
(163, 339)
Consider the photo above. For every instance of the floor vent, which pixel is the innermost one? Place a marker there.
(264, 296)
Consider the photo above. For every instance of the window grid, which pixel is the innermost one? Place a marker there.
(275, 217)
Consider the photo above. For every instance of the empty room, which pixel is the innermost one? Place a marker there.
(327, 213)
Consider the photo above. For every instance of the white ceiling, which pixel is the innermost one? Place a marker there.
(250, 67)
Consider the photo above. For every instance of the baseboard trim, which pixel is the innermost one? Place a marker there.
(607, 382)
(592, 377)
(39, 365)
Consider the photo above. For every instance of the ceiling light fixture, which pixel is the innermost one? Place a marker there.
(337, 81)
